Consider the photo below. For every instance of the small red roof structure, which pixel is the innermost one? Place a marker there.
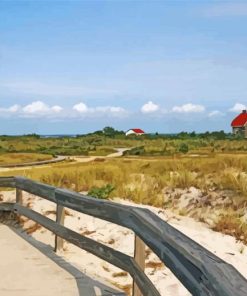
(240, 120)
(136, 131)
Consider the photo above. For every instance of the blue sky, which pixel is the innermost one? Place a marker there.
(77, 66)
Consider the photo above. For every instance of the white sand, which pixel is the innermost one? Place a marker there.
(122, 239)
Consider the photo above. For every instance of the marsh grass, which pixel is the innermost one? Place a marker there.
(234, 179)
(231, 224)
(145, 181)
(17, 158)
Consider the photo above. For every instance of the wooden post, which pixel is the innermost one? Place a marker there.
(59, 219)
(19, 197)
(139, 255)
(19, 200)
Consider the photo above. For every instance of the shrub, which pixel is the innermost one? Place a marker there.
(231, 224)
(102, 192)
(135, 151)
(183, 148)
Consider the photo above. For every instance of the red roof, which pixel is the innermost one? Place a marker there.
(138, 131)
(240, 120)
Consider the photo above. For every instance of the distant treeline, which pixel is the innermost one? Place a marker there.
(114, 133)
(219, 135)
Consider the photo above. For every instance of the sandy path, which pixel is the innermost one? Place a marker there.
(118, 153)
(59, 158)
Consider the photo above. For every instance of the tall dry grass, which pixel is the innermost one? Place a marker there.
(144, 181)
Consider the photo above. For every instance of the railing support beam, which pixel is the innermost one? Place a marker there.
(19, 196)
(19, 200)
(60, 217)
(139, 256)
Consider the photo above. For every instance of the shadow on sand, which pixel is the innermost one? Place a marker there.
(87, 286)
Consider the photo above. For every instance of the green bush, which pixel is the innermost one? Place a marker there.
(135, 151)
(102, 192)
(184, 148)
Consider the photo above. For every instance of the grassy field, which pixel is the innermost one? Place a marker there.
(101, 144)
(19, 158)
(203, 178)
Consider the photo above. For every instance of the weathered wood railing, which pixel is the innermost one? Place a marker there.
(200, 271)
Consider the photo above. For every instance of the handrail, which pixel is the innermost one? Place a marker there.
(199, 270)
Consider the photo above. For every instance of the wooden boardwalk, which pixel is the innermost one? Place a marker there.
(30, 268)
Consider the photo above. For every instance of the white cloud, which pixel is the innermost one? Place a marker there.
(56, 109)
(101, 110)
(111, 109)
(36, 107)
(81, 108)
(215, 113)
(116, 109)
(237, 108)
(14, 108)
(39, 108)
(149, 107)
(188, 108)
(7, 112)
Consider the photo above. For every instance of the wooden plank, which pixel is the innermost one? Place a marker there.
(60, 217)
(206, 273)
(106, 253)
(139, 256)
(102, 209)
(36, 188)
(7, 182)
(6, 206)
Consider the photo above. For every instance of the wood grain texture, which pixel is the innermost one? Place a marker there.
(6, 206)
(7, 182)
(19, 196)
(36, 188)
(60, 217)
(139, 256)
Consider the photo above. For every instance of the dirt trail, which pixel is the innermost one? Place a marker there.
(119, 152)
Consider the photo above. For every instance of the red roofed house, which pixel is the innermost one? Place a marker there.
(239, 124)
(135, 131)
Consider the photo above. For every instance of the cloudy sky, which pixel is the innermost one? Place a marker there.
(77, 66)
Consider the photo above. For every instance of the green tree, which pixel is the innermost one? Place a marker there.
(109, 131)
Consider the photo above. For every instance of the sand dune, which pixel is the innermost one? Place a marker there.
(122, 239)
